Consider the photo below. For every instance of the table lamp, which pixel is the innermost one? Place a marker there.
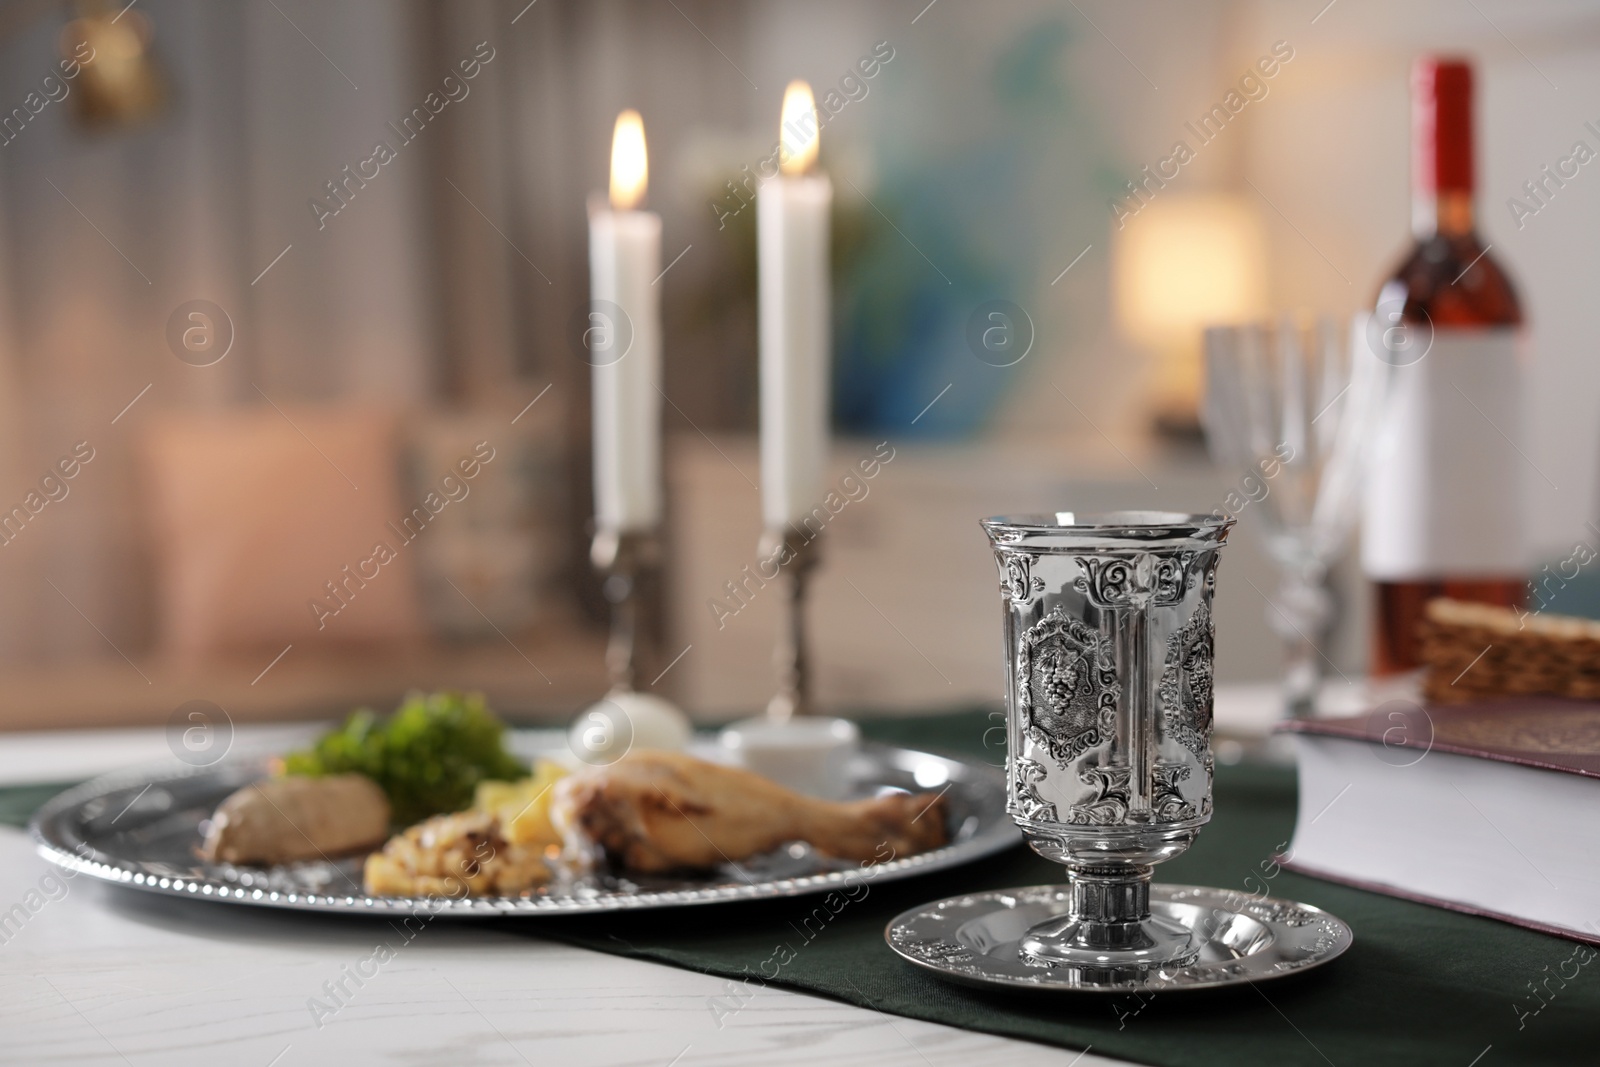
(1178, 264)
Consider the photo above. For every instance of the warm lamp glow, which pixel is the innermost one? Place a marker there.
(798, 130)
(1180, 264)
(1185, 262)
(630, 169)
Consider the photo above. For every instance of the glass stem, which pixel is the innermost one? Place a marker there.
(1302, 617)
(1302, 677)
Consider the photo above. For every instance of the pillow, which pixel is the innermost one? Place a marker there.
(273, 528)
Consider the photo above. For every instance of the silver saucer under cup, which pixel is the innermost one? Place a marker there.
(1109, 645)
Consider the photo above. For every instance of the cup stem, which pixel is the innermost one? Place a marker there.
(1110, 894)
(1109, 923)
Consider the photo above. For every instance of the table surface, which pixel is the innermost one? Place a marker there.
(99, 974)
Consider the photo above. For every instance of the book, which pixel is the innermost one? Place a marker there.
(1491, 809)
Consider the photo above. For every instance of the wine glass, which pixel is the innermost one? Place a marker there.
(1289, 415)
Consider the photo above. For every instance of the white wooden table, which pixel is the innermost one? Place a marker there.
(101, 975)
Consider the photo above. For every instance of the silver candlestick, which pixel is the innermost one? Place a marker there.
(796, 556)
(627, 559)
(626, 717)
(792, 744)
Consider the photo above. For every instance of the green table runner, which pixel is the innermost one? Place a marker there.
(1421, 985)
(19, 802)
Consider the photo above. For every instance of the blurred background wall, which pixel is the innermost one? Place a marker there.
(981, 161)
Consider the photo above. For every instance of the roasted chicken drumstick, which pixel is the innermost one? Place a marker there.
(657, 811)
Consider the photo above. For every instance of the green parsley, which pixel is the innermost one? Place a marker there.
(428, 756)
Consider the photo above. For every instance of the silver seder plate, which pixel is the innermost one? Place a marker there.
(142, 828)
(974, 939)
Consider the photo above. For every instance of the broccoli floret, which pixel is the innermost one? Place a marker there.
(428, 756)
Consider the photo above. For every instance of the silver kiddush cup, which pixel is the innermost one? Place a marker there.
(1108, 647)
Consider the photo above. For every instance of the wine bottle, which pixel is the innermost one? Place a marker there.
(1444, 508)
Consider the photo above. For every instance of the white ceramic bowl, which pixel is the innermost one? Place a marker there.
(809, 754)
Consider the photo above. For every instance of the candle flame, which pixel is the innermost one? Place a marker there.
(630, 168)
(798, 130)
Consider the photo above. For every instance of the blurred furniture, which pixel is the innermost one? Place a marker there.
(250, 513)
(492, 560)
(902, 612)
(543, 674)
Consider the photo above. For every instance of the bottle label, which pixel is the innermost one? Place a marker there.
(1444, 494)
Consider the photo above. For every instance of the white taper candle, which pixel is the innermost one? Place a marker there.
(625, 348)
(792, 223)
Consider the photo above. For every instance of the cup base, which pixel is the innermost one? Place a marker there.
(977, 939)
